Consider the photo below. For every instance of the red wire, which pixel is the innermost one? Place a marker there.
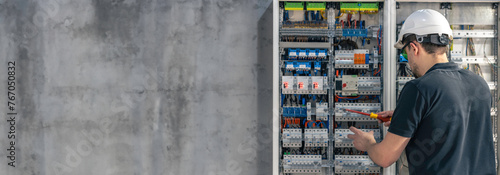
(346, 97)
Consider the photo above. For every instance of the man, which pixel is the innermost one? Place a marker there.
(443, 117)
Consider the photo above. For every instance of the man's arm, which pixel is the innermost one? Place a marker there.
(388, 151)
(384, 153)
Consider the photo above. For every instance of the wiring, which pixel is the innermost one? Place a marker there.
(311, 132)
(471, 51)
(484, 55)
(342, 14)
(376, 73)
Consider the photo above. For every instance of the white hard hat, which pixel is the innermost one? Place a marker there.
(424, 22)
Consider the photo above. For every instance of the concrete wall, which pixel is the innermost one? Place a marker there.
(137, 86)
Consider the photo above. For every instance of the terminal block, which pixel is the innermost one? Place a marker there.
(368, 8)
(306, 54)
(349, 8)
(292, 137)
(316, 137)
(341, 139)
(294, 5)
(293, 54)
(289, 66)
(316, 6)
(342, 115)
(294, 111)
(302, 67)
(355, 164)
(302, 164)
(355, 32)
(363, 8)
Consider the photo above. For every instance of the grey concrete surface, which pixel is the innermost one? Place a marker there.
(114, 87)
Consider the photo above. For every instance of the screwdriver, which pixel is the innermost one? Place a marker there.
(372, 115)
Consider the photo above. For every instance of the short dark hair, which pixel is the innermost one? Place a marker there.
(428, 47)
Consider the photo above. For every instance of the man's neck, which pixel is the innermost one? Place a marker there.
(432, 60)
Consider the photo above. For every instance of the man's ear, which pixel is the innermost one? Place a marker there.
(415, 48)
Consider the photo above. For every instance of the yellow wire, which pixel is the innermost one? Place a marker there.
(342, 14)
(451, 47)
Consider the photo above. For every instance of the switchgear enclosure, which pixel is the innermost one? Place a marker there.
(475, 47)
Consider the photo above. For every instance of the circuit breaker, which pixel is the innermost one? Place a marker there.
(336, 56)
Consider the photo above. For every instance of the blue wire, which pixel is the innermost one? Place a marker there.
(317, 123)
(282, 99)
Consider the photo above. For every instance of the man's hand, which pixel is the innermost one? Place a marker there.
(385, 114)
(362, 140)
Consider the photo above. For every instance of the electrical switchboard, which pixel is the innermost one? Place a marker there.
(331, 57)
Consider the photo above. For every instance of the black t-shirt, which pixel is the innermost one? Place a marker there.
(446, 113)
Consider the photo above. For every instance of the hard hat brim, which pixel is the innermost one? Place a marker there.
(399, 44)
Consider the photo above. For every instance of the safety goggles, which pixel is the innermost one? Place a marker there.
(403, 50)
